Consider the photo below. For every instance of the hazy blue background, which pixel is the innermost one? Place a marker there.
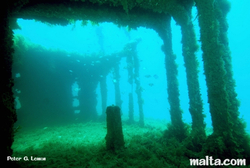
(75, 38)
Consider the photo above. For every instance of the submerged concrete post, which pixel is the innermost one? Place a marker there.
(114, 137)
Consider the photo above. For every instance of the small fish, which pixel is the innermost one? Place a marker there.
(77, 112)
(78, 60)
(114, 80)
(17, 129)
(18, 75)
(77, 89)
(156, 76)
(70, 71)
(141, 89)
(151, 84)
(148, 76)
(18, 91)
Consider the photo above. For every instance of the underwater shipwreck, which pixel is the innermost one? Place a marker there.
(118, 143)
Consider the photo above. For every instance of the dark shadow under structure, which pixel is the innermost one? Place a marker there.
(229, 139)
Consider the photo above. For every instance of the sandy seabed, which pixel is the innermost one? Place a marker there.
(83, 145)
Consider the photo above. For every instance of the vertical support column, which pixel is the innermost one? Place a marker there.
(103, 87)
(118, 100)
(213, 65)
(229, 139)
(178, 129)
(138, 89)
(130, 65)
(223, 7)
(131, 108)
(88, 98)
(189, 48)
(114, 137)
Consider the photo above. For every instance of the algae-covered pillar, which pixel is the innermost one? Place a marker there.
(116, 74)
(179, 129)
(130, 66)
(133, 67)
(189, 48)
(114, 137)
(138, 89)
(139, 99)
(87, 97)
(229, 139)
(213, 65)
(103, 88)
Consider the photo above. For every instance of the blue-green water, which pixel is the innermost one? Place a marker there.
(79, 39)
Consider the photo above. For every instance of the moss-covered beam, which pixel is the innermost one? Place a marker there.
(159, 6)
(64, 13)
(132, 13)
